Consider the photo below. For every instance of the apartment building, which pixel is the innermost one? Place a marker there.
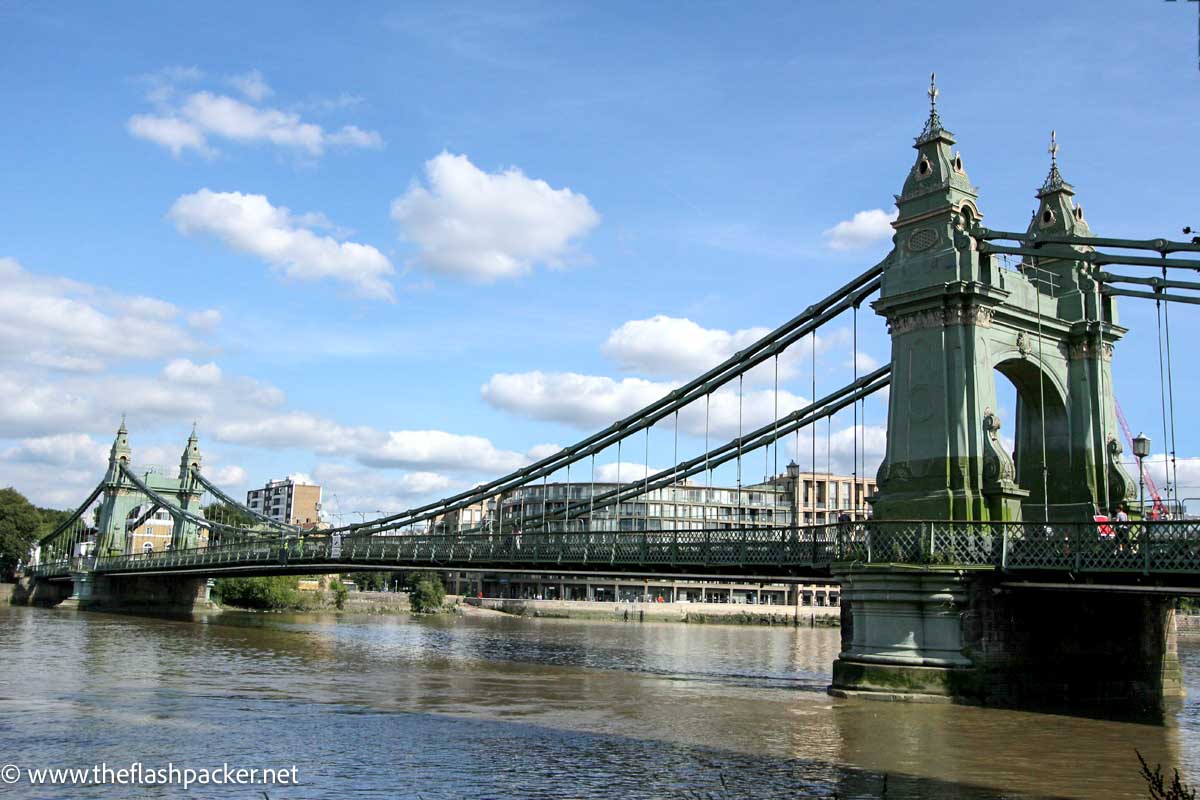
(287, 501)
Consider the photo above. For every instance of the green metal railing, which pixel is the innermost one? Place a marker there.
(1150, 547)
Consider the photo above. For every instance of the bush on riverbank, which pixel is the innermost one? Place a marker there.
(277, 593)
(426, 593)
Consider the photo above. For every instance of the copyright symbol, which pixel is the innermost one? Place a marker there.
(10, 773)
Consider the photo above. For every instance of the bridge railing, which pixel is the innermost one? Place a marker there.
(1068, 546)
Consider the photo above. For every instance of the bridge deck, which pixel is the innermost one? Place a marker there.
(1129, 553)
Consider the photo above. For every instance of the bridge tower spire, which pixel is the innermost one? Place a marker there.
(957, 316)
(120, 450)
(185, 534)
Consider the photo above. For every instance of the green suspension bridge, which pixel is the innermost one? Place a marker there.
(954, 510)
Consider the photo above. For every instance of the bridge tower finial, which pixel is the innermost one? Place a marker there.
(1057, 212)
(120, 450)
(192, 457)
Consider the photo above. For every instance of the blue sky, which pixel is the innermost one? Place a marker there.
(400, 248)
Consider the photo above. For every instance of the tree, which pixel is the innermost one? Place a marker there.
(339, 591)
(268, 594)
(51, 519)
(226, 514)
(426, 593)
(371, 581)
(19, 524)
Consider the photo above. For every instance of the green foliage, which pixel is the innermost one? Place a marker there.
(372, 581)
(339, 592)
(275, 593)
(228, 515)
(51, 519)
(426, 593)
(19, 525)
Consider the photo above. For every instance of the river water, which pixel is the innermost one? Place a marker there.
(500, 707)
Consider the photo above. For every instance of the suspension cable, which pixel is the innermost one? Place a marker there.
(1170, 392)
(775, 472)
(1103, 411)
(854, 360)
(1037, 290)
(813, 433)
(825, 407)
(646, 482)
(1162, 397)
(739, 453)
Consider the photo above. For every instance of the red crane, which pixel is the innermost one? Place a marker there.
(1159, 511)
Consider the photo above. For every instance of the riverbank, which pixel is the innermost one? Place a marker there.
(692, 613)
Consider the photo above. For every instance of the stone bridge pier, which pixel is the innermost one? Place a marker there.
(972, 636)
(142, 593)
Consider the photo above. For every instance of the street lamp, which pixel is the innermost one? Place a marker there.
(1141, 449)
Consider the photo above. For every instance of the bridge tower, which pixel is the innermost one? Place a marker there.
(123, 502)
(120, 497)
(185, 534)
(957, 317)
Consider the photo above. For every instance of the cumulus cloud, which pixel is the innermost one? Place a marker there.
(59, 449)
(423, 449)
(183, 370)
(192, 121)
(489, 226)
(593, 401)
(205, 320)
(76, 327)
(250, 224)
(864, 229)
(252, 85)
(346, 490)
(230, 476)
(673, 347)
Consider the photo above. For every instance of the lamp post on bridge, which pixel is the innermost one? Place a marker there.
(1141, 449)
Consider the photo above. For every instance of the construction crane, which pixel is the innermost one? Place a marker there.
(1160, 511)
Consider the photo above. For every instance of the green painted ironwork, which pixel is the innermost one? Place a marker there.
(1135, 548)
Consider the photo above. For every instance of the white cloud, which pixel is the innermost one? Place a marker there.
(229, 477)
(625, 472)
(59, 449)
(674, 347)
(540, 451)
(440, 450)
(205, 320)
(183, 370)
(580, 400)
(346, 490)
(865, 228)
(865, 362)
(593, 401)
(192, 121)
(172, 133)
(426, 449)
(487, 226)
(71, 326)
(252, 85)
(250, 224)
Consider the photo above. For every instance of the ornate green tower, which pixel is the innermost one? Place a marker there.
(957, 317)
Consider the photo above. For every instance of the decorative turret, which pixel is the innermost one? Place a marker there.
(937, 178)
(191, 458)
(120, 451)
(1057, 214)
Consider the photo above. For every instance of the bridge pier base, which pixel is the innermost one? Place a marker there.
(938, 634)
(151, 593)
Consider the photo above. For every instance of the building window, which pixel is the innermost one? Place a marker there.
(148, 547)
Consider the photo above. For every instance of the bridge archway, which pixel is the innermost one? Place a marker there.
(1041, 434)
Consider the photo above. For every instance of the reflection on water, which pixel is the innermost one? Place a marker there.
(503, 707)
